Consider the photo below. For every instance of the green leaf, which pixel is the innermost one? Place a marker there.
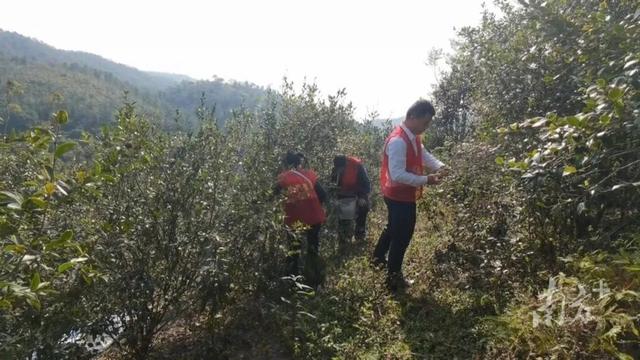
(17, 198)
(49, 188)
(36, 201)
(630, 293)
(79, 260)
(574, 121)
(15, 248)
(35, 281)
(7, 229)
(97, 168)
(307, 314)
(48, 172)
(590, 105)
(64, 148)
(66, 236)
(14, 206)
(539, 123)
(68, 265)
(616, 94)
(620, 186)
(35, 303)
(613, 332)
(60, 185)
(62, 241)
(568, 170)
(62, 117)
(5, 304)
(500, 160)
(623, 356)
(65, 266)
(630, 63)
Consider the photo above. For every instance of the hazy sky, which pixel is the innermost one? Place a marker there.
(375, 49)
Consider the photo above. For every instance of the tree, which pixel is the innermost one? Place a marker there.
(12, 91)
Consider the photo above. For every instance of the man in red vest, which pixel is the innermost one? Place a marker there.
(401, 179)
(354, 186)
(302, 208)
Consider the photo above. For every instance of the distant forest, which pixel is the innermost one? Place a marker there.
(37, 79)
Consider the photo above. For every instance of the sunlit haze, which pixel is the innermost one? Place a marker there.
(376, 50)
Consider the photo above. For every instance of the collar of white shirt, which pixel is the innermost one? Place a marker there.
(410, 135)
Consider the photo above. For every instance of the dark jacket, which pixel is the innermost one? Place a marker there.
(363, 181)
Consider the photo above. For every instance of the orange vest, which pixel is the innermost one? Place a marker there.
(302, 203)
(349, 178)
(397, 191)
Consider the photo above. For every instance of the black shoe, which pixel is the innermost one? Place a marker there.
(291, 269)
(378, 263)
(397, 282)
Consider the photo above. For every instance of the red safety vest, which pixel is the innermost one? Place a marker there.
(397, 191)
(349, 178)
(302, 203)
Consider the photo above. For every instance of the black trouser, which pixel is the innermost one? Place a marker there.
(395, 238)
(361, 220)
(312, 235)
(346, 230)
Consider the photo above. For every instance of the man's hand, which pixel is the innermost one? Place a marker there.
(443, 171)
(363, 202)
(433, 179)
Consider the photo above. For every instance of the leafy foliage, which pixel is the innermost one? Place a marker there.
(552, 88)
(141, 226)
(134, 229)
(44, 256)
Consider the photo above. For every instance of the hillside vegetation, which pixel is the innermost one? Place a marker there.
(36, 79)
(172, 242)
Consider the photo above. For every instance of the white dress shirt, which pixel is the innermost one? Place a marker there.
(397, 153)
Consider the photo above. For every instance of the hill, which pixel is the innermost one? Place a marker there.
(36, 79)
(17, 46)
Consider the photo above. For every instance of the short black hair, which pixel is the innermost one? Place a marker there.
(293, 158)
(420, 109)
(339, 160)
